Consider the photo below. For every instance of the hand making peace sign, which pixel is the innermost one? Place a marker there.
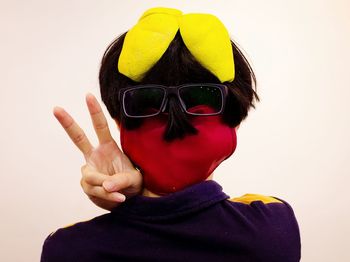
(108, 175)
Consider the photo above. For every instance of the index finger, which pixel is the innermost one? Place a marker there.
(73, 130)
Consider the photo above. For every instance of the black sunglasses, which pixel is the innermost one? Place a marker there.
(195, 99)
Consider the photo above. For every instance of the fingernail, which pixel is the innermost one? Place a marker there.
(108, 185)
(119, 197)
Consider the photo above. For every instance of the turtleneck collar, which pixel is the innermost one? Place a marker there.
(188, 200)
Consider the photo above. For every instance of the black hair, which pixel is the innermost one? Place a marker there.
(177, 66)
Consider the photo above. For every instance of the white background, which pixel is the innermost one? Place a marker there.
(295, 145)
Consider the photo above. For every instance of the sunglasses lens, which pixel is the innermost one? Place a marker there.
(143, 101)
(202, 99)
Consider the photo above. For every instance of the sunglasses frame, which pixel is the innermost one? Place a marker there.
(173, 90)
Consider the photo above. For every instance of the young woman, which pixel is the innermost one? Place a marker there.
(178, 88)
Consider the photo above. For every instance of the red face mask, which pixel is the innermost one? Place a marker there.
(171, 166)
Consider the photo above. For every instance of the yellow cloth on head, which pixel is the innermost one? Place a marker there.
(203, 34)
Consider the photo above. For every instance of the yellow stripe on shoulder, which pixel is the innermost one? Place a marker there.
(249, 198)
(67, 226)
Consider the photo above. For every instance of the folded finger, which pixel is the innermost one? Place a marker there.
(107, 205)
(100, 192)
(73, 130)
(117, 182)
(92, 177)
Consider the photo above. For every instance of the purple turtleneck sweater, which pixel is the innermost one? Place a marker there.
(199, 223)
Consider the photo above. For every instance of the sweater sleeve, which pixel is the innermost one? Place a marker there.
(44, 252)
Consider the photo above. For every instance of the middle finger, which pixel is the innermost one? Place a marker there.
(98, 119)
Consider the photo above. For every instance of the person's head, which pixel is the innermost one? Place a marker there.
(177, 66)
(186, 148)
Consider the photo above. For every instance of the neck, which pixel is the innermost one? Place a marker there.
(149, 193)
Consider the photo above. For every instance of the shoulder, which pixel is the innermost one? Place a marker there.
(270, 212)
(272, 207)
(71, 240)
(273, 225)
(70, 229)
(272, 217)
